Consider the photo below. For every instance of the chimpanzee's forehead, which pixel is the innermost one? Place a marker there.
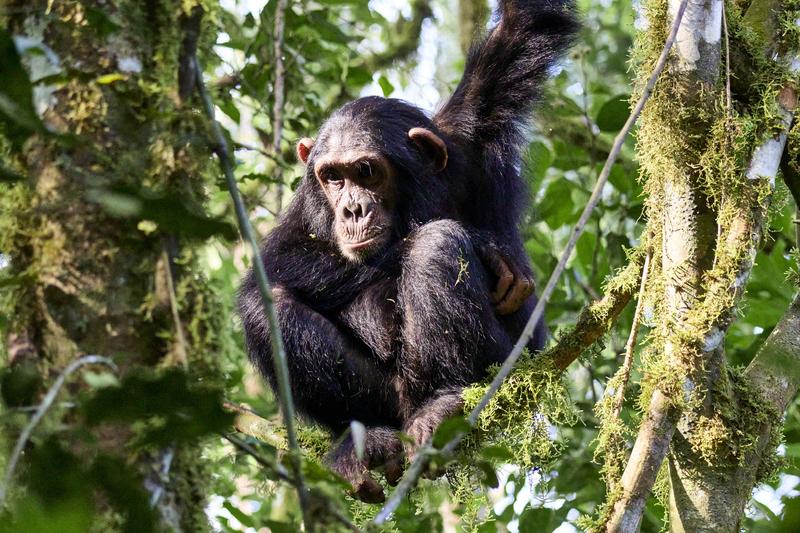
(346, 132)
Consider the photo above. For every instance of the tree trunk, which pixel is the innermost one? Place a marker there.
(95, 275)
(712, 212)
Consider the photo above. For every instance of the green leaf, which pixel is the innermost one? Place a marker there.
(105, 79)
(537, 520)
(449, 429)
(557, 207)
(614, 113)
(386, 85)
(20, 384)
(174, 410)
(99, 380)
(359, 76)
(230, 109)
(16, 96)
(237, 513)
(496, 453)
(9, 176)
(536, 160)
(489, 474)
(621, 180)
(168, 211)
(99, 21)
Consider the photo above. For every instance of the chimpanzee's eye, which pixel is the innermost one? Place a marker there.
(330, 174)
(364, 169)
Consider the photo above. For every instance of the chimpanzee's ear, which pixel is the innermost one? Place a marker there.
(304, 147)
(431, 145)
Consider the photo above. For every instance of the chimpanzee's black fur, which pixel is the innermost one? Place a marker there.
(392, 340)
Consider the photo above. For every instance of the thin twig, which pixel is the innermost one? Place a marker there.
(243, 146)
(279, 470)
(728, 98)
(418, 466)
(180, 339)
(278, 353)
(631, 344)
(47, 402)
(279, 94)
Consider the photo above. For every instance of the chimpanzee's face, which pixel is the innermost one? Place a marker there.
(359, 181)
(360, 186)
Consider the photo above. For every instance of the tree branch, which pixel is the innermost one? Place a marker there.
(251, 423)
(220, 146)
(47, 402)
(278, 92)
(685, 252)
(715, 498)
(630, 346)
(597, 317)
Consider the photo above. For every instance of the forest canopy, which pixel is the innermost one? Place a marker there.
(146, 148)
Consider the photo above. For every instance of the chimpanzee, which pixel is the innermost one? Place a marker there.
(399, 271)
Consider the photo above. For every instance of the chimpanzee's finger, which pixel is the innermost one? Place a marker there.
(393, 470)
(505, 277)
(516, 296)
(369, 491)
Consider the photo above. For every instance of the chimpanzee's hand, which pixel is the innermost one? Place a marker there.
(513, 285)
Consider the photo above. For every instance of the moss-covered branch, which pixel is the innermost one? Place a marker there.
(671, 137)
(597, 317)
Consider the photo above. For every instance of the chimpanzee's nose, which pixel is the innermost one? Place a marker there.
(356, 210)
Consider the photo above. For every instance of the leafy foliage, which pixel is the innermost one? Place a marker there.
(530, 467)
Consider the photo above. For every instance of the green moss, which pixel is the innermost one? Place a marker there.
(729, 435)
(531, 399)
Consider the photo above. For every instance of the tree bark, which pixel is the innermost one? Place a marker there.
(93, 278)
(687, 231)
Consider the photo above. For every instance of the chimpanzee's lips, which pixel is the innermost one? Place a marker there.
(363, 244)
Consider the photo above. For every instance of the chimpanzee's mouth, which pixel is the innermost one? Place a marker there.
(358, 249)
(358, 245)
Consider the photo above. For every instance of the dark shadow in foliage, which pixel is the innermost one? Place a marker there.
(63, 493)
(17, 112)
(169, 211)
(172, 409)
(20, 384)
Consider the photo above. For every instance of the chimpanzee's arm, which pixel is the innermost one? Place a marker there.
(331, 376)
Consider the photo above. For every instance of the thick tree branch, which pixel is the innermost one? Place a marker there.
(684, 257)
(707, 497)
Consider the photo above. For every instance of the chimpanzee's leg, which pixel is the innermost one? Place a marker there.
(382, 449)
(334, 381)
(450, 331)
